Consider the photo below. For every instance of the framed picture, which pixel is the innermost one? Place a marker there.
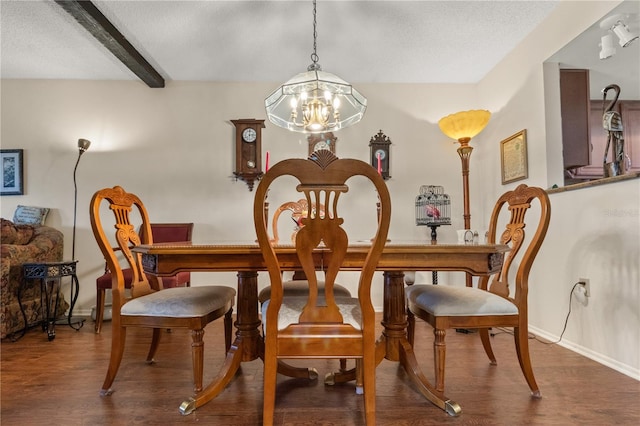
(513, 157)
(12, 183)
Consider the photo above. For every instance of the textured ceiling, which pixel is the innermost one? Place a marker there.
(361, 41)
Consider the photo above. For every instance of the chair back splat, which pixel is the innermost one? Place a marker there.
(161, 233)
(321, 325)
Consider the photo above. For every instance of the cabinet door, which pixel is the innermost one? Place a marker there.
(598, 143)
(575, 110)
(630, 111)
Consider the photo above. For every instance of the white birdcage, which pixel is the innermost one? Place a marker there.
(433, 208)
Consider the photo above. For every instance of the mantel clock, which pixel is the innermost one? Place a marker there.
(380, 146)
(248, 150)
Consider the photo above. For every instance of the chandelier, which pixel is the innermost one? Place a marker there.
(315, 101)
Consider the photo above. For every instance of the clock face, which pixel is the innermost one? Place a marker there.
(382, 153)
(249, 135)
(322, 145)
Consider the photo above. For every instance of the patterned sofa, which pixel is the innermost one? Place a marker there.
(24, 244)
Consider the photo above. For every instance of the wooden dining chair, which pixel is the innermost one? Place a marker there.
(298, 285)
(162, 233)
(494, 305)
(179, 307)
(317, 325)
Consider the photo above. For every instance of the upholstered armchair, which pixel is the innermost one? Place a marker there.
(25, 244)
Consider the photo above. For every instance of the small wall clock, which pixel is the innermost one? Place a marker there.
(318, 141)
(248, 150)
(381, 146)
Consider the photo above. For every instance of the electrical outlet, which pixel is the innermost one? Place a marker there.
(585, 283)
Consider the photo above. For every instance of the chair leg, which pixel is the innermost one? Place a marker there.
(100, 296)
(155, 342)
(359, 377)
(197, 355)
(269, 391)
(343, 364)
(118, 338)
(228, 329)
(439, 354)
(411, 326)
(486, 344)
(369, 372)
(521, 337)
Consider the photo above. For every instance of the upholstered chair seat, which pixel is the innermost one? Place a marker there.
(179, 302)
(443, 300)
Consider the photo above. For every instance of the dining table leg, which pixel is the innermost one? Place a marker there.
(394, 345)
(397, 345)
(247, 346)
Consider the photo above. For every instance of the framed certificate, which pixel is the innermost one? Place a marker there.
(513, 157)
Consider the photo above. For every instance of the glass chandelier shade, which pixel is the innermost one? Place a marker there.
(315, 101)
(464, 125)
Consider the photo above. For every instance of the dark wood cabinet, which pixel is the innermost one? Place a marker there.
(583, 136)
(630, 112)
(575, 110)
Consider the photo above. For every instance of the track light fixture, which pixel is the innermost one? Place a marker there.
(615, 24)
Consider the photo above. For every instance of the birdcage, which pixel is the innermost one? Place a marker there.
(433, 208)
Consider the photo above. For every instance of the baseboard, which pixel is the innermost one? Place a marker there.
(625, 369)
(107, 313)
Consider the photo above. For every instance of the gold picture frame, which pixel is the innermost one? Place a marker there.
(513, 158)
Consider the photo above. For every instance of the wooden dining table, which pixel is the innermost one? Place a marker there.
(166, 259)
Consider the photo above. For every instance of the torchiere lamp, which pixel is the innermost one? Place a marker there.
(462, 126)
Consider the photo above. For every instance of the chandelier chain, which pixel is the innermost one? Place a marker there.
(314, 55)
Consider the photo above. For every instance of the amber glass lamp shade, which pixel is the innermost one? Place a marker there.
(462, 126)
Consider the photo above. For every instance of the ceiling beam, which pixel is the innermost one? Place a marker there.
(88, 15)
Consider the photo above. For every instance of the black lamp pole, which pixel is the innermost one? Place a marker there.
(83, 145)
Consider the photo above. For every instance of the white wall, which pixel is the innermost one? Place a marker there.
(174, 147)
(594, 232)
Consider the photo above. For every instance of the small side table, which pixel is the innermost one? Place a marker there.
(50, 275)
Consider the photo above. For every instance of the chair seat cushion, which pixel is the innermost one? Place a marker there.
(104, 281)
(178, 280)
(292, 308)
(180, 302)
(443, 300)
(298, 288)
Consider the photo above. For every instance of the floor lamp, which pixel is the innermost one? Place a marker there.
(462, 126)
(83, 145)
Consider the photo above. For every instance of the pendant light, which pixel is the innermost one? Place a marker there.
(315, 101)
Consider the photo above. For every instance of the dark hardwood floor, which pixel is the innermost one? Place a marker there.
(57, 383)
